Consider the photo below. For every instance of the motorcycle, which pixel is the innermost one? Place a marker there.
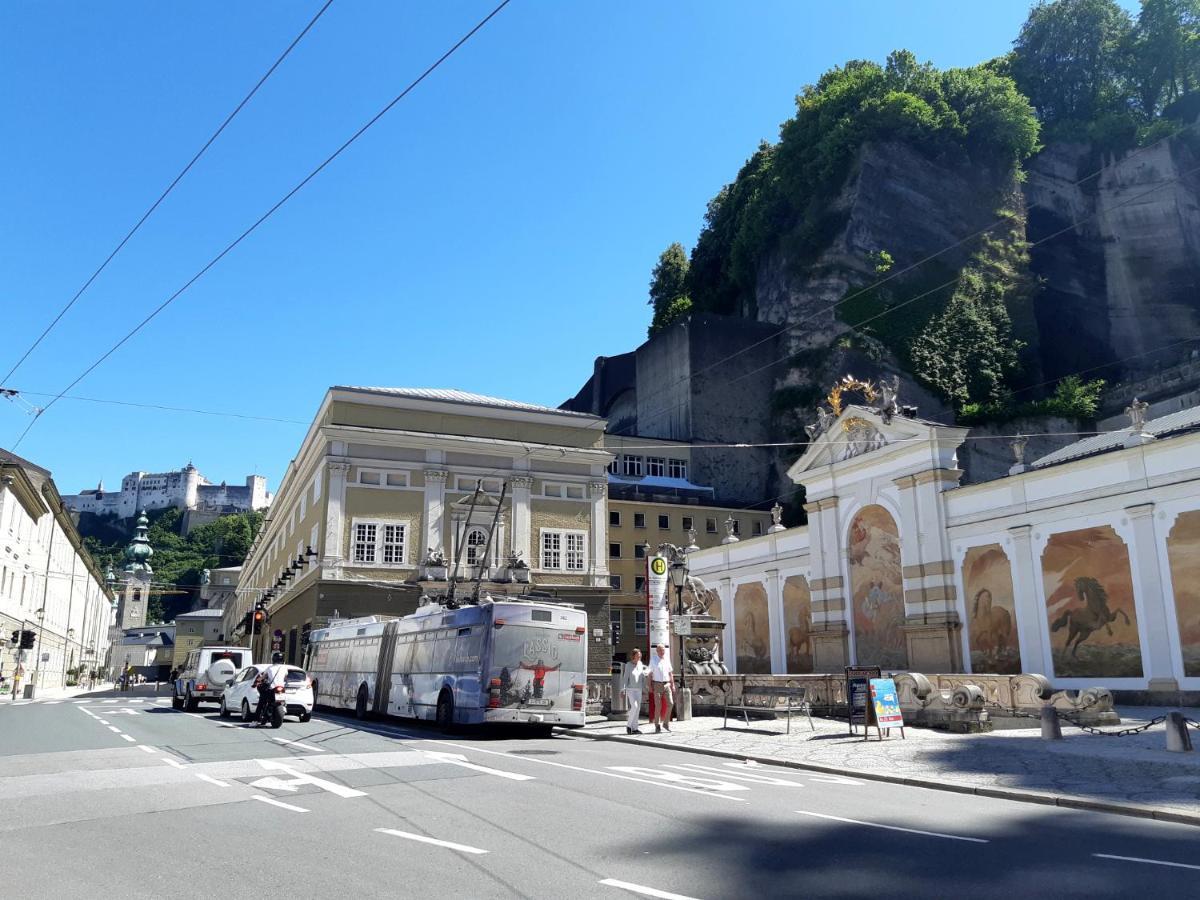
(272, 708)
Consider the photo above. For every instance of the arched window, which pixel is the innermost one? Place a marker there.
(476, 541)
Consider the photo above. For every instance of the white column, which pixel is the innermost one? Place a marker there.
(598, 492)
(522, 486)
(1156, 621)
(335, 528)
(775, 622)
(1031, 620)
(435, 509)
(728, 639)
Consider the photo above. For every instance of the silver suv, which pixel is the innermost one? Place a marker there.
(205, 675)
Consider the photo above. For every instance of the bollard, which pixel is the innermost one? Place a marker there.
(1178, 739)
(1051, 727)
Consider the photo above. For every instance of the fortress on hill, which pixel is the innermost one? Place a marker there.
(185, 488)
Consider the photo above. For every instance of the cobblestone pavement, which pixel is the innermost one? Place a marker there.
(1132, 770)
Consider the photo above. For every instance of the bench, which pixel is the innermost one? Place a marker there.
(773, 701)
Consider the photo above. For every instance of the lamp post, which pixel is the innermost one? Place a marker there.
(679, 576)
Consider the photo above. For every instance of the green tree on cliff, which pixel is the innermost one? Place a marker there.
(668, 288)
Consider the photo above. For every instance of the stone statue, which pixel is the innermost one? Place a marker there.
(691, 535)
(205, 577)
(776, 519)
(1018, 444)
(888, 392)
(435, 557)
(730, 537)
(824, 420)
(1137, 415)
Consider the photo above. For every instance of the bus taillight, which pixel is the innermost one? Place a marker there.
(577, 697)
(494, 694)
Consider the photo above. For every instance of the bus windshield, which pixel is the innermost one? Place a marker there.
(537, 667)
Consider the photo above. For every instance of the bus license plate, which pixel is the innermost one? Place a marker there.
(538, 703)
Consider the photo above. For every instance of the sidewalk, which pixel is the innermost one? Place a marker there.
(1133, 775)
(59, 693)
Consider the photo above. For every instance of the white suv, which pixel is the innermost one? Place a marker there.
(241, 695)
(205, 674)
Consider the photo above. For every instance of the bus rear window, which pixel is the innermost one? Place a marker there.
(540, 615)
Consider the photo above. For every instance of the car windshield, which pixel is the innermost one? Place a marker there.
(235, 658)
(296, 675)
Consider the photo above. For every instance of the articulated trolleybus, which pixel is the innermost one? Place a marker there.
(498, 659)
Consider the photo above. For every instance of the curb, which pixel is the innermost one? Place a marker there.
(1014, 794)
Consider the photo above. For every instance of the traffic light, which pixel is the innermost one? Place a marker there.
(260, 615)
(27, 640)
(16, 638)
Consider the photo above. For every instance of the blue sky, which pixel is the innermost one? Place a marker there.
(495, 232)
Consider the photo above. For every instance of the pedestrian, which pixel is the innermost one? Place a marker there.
(17, 676)
(633, 684)
(660, 688)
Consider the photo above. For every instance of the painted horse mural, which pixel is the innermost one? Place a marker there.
(1094, 615)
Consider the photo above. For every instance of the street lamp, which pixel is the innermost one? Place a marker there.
(679, 575)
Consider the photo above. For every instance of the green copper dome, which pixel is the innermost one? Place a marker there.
(139, 551)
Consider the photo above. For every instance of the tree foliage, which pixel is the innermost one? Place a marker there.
(668, 288)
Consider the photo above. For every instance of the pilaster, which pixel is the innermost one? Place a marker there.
(522, 487)
(775, 622)
(1156, 654)
(1031, 621)
(335, 526)
(598, 492)
(435, 509)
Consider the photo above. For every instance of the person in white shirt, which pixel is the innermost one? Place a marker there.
(633, 683)
(660, 688)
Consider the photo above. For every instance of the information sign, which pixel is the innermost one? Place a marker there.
(656, 600)
(885, 705)
(858, 694)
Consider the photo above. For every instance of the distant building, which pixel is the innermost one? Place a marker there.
(219, 587)
(148, 651)
(194, 630)
(185, 489)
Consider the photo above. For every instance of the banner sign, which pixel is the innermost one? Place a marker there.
(885, 703)
(656, 600)
(858, 693)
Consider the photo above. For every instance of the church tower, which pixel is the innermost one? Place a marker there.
(135, 598)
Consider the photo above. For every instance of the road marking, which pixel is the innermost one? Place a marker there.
(124, 712)
(642, 889)
(110, 701)
(457, 759)
(211, 780)
(937, 834)
(409, 836)
(114, 728)
(102, 721)
(300, 745)
(1153, 862)
(81, 701)
(196, 715)
(147, 748)
(701, 783)
(128, 738)
(52, 702)
(299, 778)
(752, 777)
(280, 803)
(174, 762)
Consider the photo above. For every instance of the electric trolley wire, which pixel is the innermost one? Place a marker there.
(156, 406)
(265, 216)
(170, 187)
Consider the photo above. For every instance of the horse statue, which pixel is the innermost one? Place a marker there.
(702, 598)
(1091, 618)
(991, 625)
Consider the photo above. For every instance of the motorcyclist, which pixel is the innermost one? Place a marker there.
(268, 679)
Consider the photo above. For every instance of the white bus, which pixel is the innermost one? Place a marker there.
(505, 659)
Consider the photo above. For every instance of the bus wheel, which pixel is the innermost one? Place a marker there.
(360, 705)
(445, 711)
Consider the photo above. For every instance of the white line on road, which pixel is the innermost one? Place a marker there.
(128, 738)
(196, 715)
(81, 701)
(211, 780)
(147, 748)
(642, 889)
(408, 836)
(110, 701)
(951, 837)
(1153, 862)
(174, 762)
(300, 745)
(275, 802)
(52, 702)
(457, 759)
(114, 728)
(102, 721)
(299, 778)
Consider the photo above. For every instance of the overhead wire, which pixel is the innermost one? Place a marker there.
(160, 407)
(170, 187)
(266, 215)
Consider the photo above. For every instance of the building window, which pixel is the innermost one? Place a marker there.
(304, 504)
(614, 619)
(757, 527)
(614, 519)
(632, 466)
(476, 540)
(614, 467)
(639, 621)
(710, 526)
(378, 478)
(639, 551)
(316, 487)
(737, 526)
(487, 485)
(639, 520)
(687, 523)
(366, 476)
(664, 521)
(564, 551)
(614, 551)
(677, 468)
(312, 538)
(614, 582)
(562, 491)
(656, 466)
(379, 543)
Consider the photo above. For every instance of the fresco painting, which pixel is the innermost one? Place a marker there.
(1183, 554)
(991, 613)
(877, 589)
(752, 630)
(1090, 606)
(797, 624)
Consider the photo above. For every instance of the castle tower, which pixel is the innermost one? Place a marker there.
(191, 485)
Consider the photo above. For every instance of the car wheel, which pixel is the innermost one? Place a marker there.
(445, 711)
(176, 700)
(224, 709)
(305, 716)
(190, 703)
(246, 714)
(360, 704)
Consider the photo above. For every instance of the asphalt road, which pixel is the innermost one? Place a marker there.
(118, 796)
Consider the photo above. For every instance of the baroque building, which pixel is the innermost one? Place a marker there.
(184, 489)
(381, 499)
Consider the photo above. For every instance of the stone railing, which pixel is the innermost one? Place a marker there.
(959, 702)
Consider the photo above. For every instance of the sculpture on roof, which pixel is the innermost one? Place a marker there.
(776, 519)
(888, 393)
(1137, 415)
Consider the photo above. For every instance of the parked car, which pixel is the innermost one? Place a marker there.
(204, 675)
(241, 694)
